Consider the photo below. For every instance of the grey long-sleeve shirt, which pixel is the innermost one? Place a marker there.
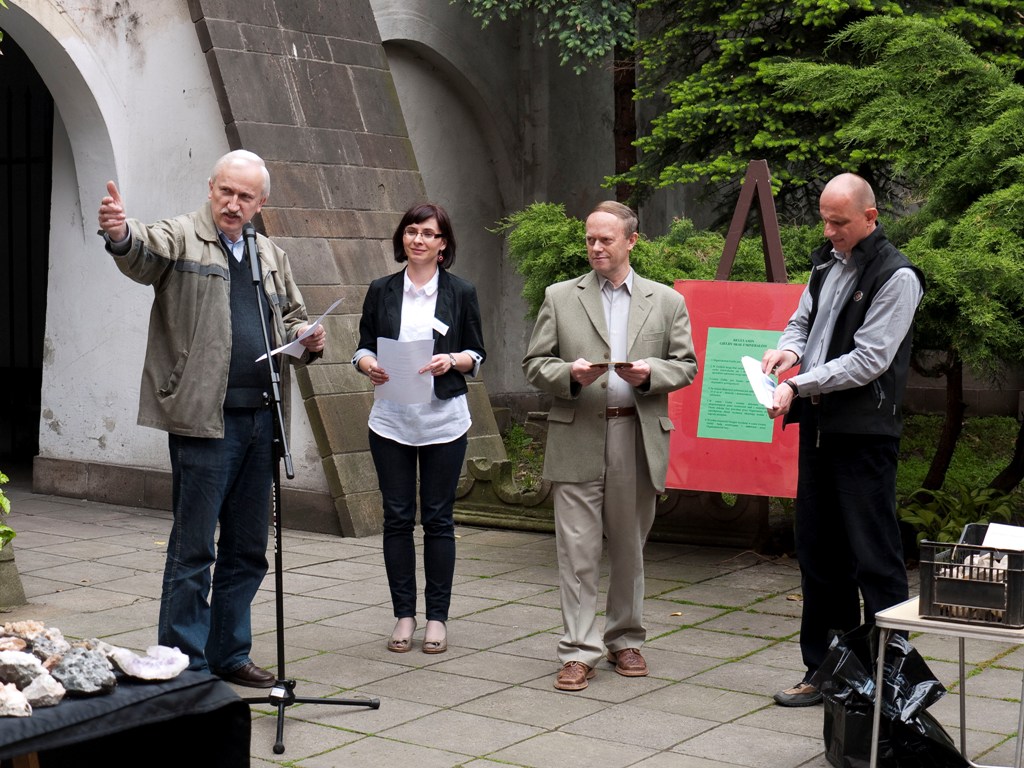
(875, 344)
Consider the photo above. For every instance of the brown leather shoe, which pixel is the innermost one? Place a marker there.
(250, 676)
(628, 662)
(573, 676)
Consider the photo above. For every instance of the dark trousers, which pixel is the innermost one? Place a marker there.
(847, 537)
(227, 482)
(440, 465)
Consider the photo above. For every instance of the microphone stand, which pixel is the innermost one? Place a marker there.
(282, 694)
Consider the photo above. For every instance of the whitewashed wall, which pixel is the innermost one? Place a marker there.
(134, 104)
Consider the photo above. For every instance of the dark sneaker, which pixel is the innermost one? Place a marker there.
(800, 695)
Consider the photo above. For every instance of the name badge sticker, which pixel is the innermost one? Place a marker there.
(440, 327)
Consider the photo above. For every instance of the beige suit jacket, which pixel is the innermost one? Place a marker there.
(570, 325)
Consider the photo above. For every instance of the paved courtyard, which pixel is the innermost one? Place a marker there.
(722, 638)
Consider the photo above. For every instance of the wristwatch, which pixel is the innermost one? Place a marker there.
(452, 358)
(796, 391)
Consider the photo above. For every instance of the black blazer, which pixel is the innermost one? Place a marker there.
(457, 307)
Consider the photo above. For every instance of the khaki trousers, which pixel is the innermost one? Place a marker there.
(619, 506)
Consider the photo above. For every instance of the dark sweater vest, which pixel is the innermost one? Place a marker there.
(248, 381)
(876, 407)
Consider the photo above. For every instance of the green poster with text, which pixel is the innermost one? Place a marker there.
(729, 410)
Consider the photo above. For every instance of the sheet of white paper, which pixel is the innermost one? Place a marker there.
(761, 383)
(402, 360)
(999, 536)
(295, 348)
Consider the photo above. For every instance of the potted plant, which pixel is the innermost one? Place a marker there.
(11, 591)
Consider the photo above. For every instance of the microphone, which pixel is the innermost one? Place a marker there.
(252, 253)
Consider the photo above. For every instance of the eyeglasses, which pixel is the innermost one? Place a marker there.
(427, 235)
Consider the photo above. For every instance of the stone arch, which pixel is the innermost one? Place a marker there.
(466, 167)
(73, 79)
(307, 86)
(53, 156)
(456, 59)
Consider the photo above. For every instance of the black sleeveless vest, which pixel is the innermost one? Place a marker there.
(876, 407)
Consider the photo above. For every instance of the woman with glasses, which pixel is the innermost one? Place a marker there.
(423, 301)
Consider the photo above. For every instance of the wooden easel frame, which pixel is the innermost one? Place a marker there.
(756, 184)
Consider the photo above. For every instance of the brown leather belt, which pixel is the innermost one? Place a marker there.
(614, 413)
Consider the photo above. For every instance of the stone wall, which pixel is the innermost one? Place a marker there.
(307, 86)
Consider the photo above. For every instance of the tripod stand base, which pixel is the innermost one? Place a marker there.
(282, 696)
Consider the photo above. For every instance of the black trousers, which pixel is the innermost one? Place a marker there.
(848, 540)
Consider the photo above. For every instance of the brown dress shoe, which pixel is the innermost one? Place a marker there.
(250, 676)
(628, 662)
(573, 676)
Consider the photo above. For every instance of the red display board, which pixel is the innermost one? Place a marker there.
(723, 439)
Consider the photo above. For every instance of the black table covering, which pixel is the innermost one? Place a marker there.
(194, 719)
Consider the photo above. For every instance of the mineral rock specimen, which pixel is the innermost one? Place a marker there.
(12, 644)
(85, 672)
(13, 702)
(49, 642)
(44, 691)
(39, 667)
(26, 629)
(159, 663)
(19, 668)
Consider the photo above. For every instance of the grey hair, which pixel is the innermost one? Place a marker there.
(243, 156)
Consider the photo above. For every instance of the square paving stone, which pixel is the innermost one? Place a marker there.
(462, 732)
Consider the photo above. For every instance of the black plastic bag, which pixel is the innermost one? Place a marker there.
(909, 737)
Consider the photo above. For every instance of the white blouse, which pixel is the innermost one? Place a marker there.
(439, 421)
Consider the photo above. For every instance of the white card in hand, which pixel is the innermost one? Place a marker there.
(761, 383)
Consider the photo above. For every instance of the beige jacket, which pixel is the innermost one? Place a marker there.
(571, 325)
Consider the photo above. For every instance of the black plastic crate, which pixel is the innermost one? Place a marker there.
(960, 582)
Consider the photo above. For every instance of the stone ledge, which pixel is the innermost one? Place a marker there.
(301, 510)
(489, 496)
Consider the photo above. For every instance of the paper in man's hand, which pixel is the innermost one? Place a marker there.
(294, 347)
(761, 383)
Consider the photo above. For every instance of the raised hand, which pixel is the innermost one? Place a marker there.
(112, 216)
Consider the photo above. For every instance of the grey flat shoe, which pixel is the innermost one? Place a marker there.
(436, 646)
(401, 643)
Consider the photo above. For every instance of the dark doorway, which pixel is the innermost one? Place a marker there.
(26, 159)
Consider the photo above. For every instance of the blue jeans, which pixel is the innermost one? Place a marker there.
(439, 468)
(228, 481)
(848, 540)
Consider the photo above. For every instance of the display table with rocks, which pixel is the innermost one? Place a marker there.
(192, 719)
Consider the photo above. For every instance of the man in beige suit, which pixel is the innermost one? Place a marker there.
(608, 347)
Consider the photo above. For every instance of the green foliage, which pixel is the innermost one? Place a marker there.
(913, 95)
(585, 31)
(942, 515)
(703, 66)
(975, 301)
(526, 455)
(950, 123)
(985, 447)
(546, 247)
(6, 532)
